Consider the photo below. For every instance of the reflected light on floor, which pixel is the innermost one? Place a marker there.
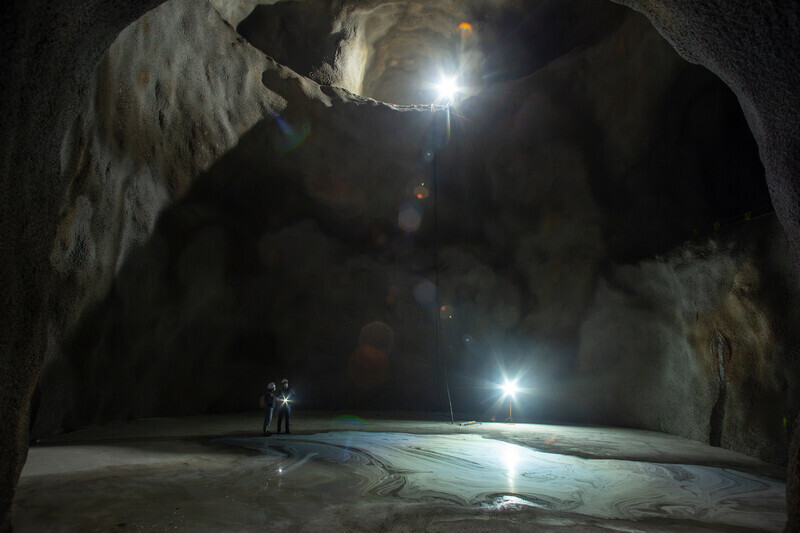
(510, 459)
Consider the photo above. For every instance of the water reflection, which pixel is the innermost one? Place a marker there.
(480, 471)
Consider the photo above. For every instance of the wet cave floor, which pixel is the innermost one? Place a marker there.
(372, 473)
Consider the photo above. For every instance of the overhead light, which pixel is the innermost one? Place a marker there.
(447, 88)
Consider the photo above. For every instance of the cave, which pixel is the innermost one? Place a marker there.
(525, 265)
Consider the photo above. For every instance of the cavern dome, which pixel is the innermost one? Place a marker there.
(501, 264)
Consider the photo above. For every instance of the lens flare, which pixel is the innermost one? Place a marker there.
(425, 292)
(368, 367)
(378, 335)
(292, 137)
(447, 88)
(465, 29)
(510, 388)
(409, 217)
(349, 422)
(446, 312)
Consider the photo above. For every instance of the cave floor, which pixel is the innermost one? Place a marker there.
(374, 473)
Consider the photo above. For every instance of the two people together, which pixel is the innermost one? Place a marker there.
(280, 399)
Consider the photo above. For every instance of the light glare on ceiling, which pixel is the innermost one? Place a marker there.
(447, 88)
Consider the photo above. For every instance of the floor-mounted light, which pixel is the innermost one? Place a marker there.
(510, 390)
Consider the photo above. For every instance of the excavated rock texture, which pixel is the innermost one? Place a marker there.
(164, 109)
(311, 248)
(752, 47)
(793, 480)
(47, 71)
(49, 56)
(701, 343)
(397, 52)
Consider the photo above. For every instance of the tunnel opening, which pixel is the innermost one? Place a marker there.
(400, 53)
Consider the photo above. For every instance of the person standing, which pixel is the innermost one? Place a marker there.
(269, 407)
(284, 397)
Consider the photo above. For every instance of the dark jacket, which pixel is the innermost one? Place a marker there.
(269, 399)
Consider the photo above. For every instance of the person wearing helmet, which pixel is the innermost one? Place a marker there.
(268, 403)
(284, 397)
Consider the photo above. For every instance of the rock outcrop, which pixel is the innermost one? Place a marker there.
(752, 47)
(49, 56)
(171, 95)
(700, 343)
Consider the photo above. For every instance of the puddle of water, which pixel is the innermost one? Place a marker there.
(350, 480)
(474, 471)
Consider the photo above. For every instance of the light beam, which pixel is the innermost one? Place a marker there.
(447, 88)
(510, 388)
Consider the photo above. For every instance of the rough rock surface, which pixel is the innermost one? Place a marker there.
(164, 108)
(541, 192)
(49, 56)
(793, 480)
(397, 52)
(700, 343)
(753, 48)
(48, 64)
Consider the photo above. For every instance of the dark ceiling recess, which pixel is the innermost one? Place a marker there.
(295, 34)
(702, 174)
(516, 44)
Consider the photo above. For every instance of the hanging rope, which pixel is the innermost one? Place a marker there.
(440, 364)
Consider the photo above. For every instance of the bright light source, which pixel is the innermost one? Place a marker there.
(447, 88)
(510, 388)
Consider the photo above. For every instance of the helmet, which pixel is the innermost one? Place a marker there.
(284, 380)
(271, 386)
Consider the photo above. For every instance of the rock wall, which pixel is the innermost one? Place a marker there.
(397, 52)
(168, 100)
(46, 72)
(752, 47)
(49, 54)
(700, 343)
(311, 248)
